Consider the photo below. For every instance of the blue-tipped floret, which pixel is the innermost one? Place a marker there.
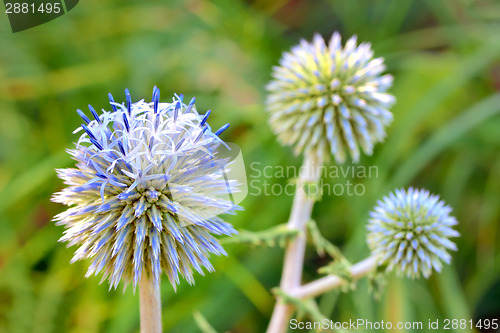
(112, 102)
(83, 116)
(205, 118)
(125, 122)
(94, 114)
(222, 129)
(190, 105)
(129, 101)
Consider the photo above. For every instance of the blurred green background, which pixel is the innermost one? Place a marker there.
(444, 55)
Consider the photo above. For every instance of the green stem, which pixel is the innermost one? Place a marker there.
(294, 254)
(150, 303)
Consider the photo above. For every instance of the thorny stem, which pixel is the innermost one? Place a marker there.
(150, 303)
(294, 253)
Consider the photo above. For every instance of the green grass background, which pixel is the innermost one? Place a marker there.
(444, 55)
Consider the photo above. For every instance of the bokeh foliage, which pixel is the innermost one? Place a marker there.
(444, 55)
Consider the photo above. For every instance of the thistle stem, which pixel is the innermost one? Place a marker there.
(150, 303)
(331, 282)
(294, 253)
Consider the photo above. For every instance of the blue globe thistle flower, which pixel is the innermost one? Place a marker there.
(330, 99)
(409, 232)
(146, 191)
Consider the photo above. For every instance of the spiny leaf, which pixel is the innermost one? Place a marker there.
(377, 281)
(340, 266)
(322, 244)
(304, 307)
(342, 269)
(279, 234)
(203, 323)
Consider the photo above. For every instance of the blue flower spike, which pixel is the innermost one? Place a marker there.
(94, 114)
(111, 102)
(83, 116)
(129, 101)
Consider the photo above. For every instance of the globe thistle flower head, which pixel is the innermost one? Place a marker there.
(328, 99)
(146, 191)
(409, 232)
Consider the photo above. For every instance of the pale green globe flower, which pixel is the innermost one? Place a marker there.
(327, 99)
(409, 232)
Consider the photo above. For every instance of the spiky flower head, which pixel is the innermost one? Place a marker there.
(330, 99)
(409, 232)
(145, 193)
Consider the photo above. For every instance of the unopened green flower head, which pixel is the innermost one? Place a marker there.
(409, 232)
(145, 193)
(327, 99)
